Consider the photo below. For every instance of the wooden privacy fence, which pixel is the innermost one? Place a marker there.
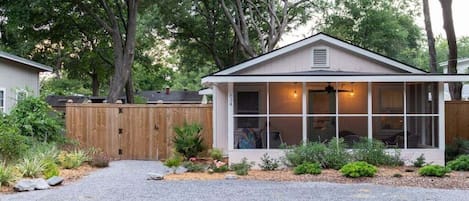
(139, 132)
(456, 120)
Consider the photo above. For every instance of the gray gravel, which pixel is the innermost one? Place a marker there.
(126, 180)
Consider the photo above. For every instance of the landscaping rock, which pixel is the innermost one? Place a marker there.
(231, 177)
(31, 184)
(155, 176)
(181, 170)
(55, 180)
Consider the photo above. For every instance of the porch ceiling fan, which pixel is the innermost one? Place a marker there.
(329, 89)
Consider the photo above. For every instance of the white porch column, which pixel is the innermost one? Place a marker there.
(304, 113)
(441, 117)
(230, 117)
(370, 112)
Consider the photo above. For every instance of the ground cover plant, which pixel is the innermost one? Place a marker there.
(307, 168)
(434, 171)
(243, 167)
(358, 169)
(460, 164)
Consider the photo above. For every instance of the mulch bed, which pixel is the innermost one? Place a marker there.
(385, 176)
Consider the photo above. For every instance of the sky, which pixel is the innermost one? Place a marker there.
(460, 19)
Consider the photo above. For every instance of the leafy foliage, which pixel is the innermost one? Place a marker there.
(243, 167)
(373, 152)
(173, 162)
(188, 140)
(307, 168)
(194, 167)
(216, 154)
(458, 147)
(7, 174)
(336, 154)
(50, 169)
(358, 169)
(72, 160)
(269, 163)
(12, 144)
(460, 164)
(434, 171)
(36, 119)
(420, 161)
(31, 167)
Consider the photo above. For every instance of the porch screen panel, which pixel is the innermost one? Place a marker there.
(390, 130)
(422, 98)
(353, 129)
(249, 132)
(321, 129)
(388, 98)
(285, 98)
(422, 132)
(284, 131)
(353, 98)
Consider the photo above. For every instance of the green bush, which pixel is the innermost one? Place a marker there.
(100, 160)
(194, 167)
(358, 169)
(50, 169)
(216, 154)
(420, 161)
(460, 164)
(173, 162)
(374, 152)
(72, 159)
(434, 171)
(44, 151)
(31, 167)
(12, 144)
(336, 155)
(268, 163)
(188, 140)
(7, 175)
(243, 167)
(307, 168)
(312, 152)
(35, 118)
(457, 148)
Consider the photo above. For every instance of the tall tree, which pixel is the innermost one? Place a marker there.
(455, 88)
(430, 38)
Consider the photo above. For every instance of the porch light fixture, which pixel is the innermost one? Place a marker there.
(295, 95)
(352, 93)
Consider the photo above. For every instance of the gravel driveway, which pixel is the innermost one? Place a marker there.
(126, 180)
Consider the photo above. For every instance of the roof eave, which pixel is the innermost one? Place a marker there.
(17, 59)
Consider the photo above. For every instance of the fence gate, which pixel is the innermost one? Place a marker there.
(134, 132)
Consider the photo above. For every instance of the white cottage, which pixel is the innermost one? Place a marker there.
(322, 87)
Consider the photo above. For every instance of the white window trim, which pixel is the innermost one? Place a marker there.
(327, 57)
(20, 91)
(3, 108)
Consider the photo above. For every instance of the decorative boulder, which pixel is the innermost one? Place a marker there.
(155, 176)
(55, 180)
(30, 185)
(41, 184)
(231, 177)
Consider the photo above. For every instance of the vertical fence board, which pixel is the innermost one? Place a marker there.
(456, 120)
(147, 130)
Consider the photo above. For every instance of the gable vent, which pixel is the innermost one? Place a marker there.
(320, 57)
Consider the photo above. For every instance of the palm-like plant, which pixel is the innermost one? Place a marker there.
(188, 140)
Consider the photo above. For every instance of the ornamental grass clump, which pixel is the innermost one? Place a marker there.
(243, 167)
(7, 174)
(358, 169)
(31, 167)
(307, 168)
(269, 163)
(460, 164)
(434, 171)
(72, 160)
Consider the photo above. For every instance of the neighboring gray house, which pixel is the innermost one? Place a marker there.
(463, 68)
(171, 97)
(18, 77)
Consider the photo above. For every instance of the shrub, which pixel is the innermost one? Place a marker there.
(457, 148)
(6, 174)
(216, 154)
(307, 168)
(50, 169)
(35, 118)
(100, 160)
(420, 161)
(12, 144)
(193, 167)
(312, 152)
(188, 140)
(44, 151)
(243, 167)
(268, 163)
(336, 154)
(373, 152)
(72, 159)
(218, 166)
(358, 169)
(31, 167)
(434, 171)
(173, 162)
(460, 164)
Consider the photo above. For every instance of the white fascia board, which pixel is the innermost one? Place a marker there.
(364, 78)
(207, 91)
(311, 40)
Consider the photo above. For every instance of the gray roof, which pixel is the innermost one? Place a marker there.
(33, 64)
(172, 97)
(323, 72)
(60, 101)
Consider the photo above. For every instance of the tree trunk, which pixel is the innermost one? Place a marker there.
(430, 37)
(129, 90)
(95, 83)
(455, 88)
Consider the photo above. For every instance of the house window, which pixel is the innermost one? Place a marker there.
(2, 100)
(320, 57)
(21, 94)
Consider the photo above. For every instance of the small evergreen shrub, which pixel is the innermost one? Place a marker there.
(216, 154)
(50, 169)
(100, 160)
(7, 175)
(434, 171)
(373, 152)
(188, 140)
(269, 163)
(460, 164)
(31, 167)
(420, 161)
(307, 168)
(243, 167)
(193, 167)
(358, 169)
